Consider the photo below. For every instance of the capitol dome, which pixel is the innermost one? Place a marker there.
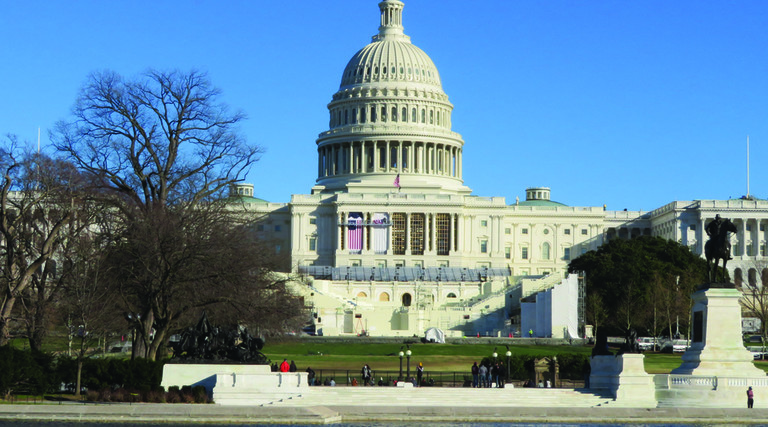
(390, 121)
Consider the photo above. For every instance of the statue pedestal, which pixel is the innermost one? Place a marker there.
(716, 346)
(625, 377)
(237, 384)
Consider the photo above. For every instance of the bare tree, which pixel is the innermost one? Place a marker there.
(39, 197)
(162, 139)
(163, 151)
(596, 311)
(87, 299)
(754, 299)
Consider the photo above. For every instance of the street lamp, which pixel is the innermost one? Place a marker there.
(408, 362)
(509, 355)
(400, 377)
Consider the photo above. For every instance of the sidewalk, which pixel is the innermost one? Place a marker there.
(381, 411)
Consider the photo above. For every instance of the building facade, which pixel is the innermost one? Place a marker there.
(391, 240)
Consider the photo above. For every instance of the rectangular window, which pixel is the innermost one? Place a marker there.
(524, 231)
(567, 231)
(524, 252)
(750, 249)
(312, 220)
(484, 246)
(260, 227)
(566, 254)
(507, 231)
(484, 223)
(749, 227)
(417, 234)
(313, 244)
(583, 231)
(508, 252)
(443, 230)
(398, 233)
(278, 228)
(693, 227)
(763, 249)
(762, 227)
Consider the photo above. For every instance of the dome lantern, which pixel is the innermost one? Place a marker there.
(391, 21)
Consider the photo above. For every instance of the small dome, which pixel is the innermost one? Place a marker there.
(390, 56)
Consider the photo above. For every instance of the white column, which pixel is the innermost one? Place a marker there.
(407, 234)
(375, 156)
(387, 155)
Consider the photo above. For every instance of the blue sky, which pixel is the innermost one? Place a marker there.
(624, 103)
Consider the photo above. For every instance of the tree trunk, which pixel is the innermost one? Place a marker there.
(5, 318)
(79, 375)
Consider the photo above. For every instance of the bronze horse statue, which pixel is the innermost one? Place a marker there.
(718, 247)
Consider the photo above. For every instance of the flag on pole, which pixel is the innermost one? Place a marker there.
(397, 181)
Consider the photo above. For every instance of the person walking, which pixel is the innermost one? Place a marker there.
(750, 397)
(366, 374)
(475, 373)
(310, 376)
(483, 376)
(419, 374)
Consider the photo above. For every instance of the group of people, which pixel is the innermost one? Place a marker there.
(285, 366)
(486, 376)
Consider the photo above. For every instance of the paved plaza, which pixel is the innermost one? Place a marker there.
(330, 405)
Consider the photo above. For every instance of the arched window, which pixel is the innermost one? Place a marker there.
(451, 295)
(394, 114)
(384, 297)
(413, 115)
(764, 277)
(752, 277)
(346, 116)
(362, 295)
(354, 116)
(431, 117)
(737, 277)
(404, 114)
(423, 115)
(545, 250)
(373, 114)
(362, 115)
(406, 300)
(438, 117)
(383, 114)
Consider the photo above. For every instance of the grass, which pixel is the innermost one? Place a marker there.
(435, 357)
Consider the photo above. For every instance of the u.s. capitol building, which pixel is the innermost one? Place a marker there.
(391, 241)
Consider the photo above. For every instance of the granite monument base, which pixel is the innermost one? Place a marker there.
(625, 378)
(237, 384)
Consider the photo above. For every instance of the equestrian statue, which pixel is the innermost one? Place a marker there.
(718, 246)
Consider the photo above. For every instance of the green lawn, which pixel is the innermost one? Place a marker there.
(435, 357)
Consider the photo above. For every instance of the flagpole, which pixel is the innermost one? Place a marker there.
(747, 166)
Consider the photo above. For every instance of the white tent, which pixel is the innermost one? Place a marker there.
(435, 335)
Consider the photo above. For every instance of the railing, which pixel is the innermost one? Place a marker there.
(388, 378)
(685, 381)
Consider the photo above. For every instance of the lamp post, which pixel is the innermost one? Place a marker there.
(408, 362)
(509, 355)
(495, 369)
(400, 377)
